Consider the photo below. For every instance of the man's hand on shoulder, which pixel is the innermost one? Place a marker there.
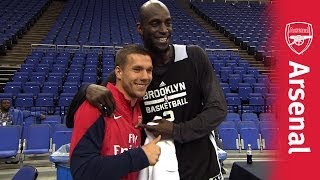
(101, 98)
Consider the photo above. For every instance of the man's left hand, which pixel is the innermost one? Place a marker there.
(42, 116)
(164, 128)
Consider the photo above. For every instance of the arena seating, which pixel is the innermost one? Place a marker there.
(95, 26)
(247, 25)
(48, 79)
(16, 17)
(237, 133)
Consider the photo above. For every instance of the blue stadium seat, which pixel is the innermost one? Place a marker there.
(249, 134)
(264, 79)
(270, 138)
(58, 68)
(38, 77)
(249, 78)
(90, 69)
(27, 121)
(244, 64)
(70, 89)
(249, 117)
(25, 95)
(62, 127)
(55, 118)
(44, 100)
(24, 102)
(10, 145)
(20, 77)
(13, 89)
(26, 172)
(47, 62)
(65, 100)
(235, 117)
(90, 61)
(63, 61)
(233, 102)
(225, 88)
(32, 61)
(239, 70)
(44, 69)
(244, 90)
(107, 70)
(8, 96)
(44, 103)
(76, 68)
(60, 138)
(270, 100)
(217, 65)
(253, 70)
(256, 102)
(55, 77)
(234, 80)
(26, 68)
(38, 140)
(260, 88)
(31, 87)
(273, 88)
(229, 135)
(267, 117)
(78, 60)
(224, 73)
(51, 87)
(89, 77)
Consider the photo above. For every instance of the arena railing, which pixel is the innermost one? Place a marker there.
(75, 48)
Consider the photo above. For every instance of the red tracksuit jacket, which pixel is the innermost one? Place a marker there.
(107, 147)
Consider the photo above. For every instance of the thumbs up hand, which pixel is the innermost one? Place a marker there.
(152, 150)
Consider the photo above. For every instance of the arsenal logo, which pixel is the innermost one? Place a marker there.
(299, 36)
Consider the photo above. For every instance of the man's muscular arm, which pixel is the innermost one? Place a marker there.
(98, 95)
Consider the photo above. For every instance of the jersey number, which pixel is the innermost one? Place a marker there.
(168, 115)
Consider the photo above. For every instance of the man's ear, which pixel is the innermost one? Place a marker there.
(139, 30)
(118, 72)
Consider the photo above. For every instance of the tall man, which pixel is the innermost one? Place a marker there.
(184, 91)
(109, 147)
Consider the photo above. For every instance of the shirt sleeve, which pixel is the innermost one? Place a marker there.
(214, 103)
(86, 160)
(79, 98)
(16, 116)
(29, 113)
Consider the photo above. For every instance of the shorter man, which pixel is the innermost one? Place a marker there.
(11, 116)
(109, 147)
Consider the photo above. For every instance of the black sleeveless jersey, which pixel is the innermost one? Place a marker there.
(187, 92)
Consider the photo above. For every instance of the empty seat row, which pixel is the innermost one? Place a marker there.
(36, 141)
(16, 17)
(261, 136)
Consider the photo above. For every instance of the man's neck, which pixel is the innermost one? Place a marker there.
(163, 58)
(126, 96)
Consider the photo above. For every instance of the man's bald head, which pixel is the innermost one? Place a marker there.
(149, 7)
